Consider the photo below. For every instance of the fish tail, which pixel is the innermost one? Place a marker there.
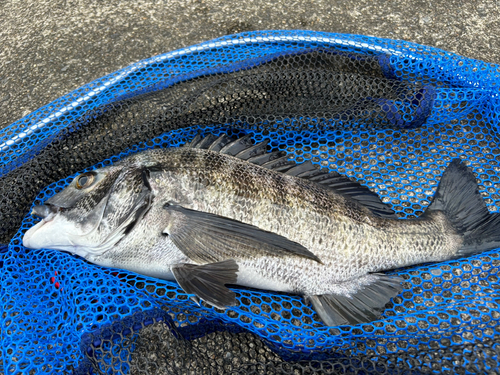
(459, 199)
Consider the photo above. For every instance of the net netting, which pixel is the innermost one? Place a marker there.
(389, 114)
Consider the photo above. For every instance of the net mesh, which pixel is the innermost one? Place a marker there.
(389, 114)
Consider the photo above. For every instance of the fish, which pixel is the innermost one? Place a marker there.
(221, 211)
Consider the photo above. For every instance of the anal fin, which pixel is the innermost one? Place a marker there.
(208, 281)
(364, 305)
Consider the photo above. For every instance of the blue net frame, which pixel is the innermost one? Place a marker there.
(58, 311)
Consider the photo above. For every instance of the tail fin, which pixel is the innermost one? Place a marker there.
(459, 199)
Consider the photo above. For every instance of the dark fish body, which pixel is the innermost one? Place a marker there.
(206, 218)
(348, 238)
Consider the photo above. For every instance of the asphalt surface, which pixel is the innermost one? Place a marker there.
(51, 47)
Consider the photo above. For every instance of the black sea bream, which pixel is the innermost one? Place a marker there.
(221, 212)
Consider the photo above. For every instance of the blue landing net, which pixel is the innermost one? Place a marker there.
(390, 114)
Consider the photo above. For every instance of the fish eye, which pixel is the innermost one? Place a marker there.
(84, 180)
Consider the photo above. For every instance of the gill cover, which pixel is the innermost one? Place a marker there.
(129, 200)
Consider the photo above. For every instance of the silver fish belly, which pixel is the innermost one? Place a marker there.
(221, 212)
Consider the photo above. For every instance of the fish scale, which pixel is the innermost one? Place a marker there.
(206, 219)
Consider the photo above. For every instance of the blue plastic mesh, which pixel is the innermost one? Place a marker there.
(60, 313)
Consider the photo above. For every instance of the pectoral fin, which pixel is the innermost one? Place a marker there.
(364, 305)
(209, 238)
(208, 281)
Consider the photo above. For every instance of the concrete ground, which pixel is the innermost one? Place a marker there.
(50, 47)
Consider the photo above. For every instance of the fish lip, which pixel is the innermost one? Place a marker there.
(46, 211)
(50, 217)
(29, 234)
(46, 219)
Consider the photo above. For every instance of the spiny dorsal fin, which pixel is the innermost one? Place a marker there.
(206, 142)
(194, 142)
(243, 148)
(254, 150)
(281, 164)
(266, 157)
(235, 147)
(304, 168)
(219, 143)
(210, 142)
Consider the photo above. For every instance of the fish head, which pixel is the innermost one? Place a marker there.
(95, 211)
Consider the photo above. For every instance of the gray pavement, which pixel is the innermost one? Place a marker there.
(50, 47)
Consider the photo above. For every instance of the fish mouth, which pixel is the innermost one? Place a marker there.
(28, 236)
(55, 231)
(46, 211)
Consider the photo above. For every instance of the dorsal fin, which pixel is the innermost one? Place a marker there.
(210, 142)
(206, 142)
(281, 164)
(235, 147)
(257, 149)
(266, 157)
(194, 142)
(342, 185)
(219, 143)
(302, 169)
(243, 148)
(360, 193)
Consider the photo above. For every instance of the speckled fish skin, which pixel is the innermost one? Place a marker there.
(207, 219)
(350, 241)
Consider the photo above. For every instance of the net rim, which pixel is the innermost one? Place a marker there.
(15, 133)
